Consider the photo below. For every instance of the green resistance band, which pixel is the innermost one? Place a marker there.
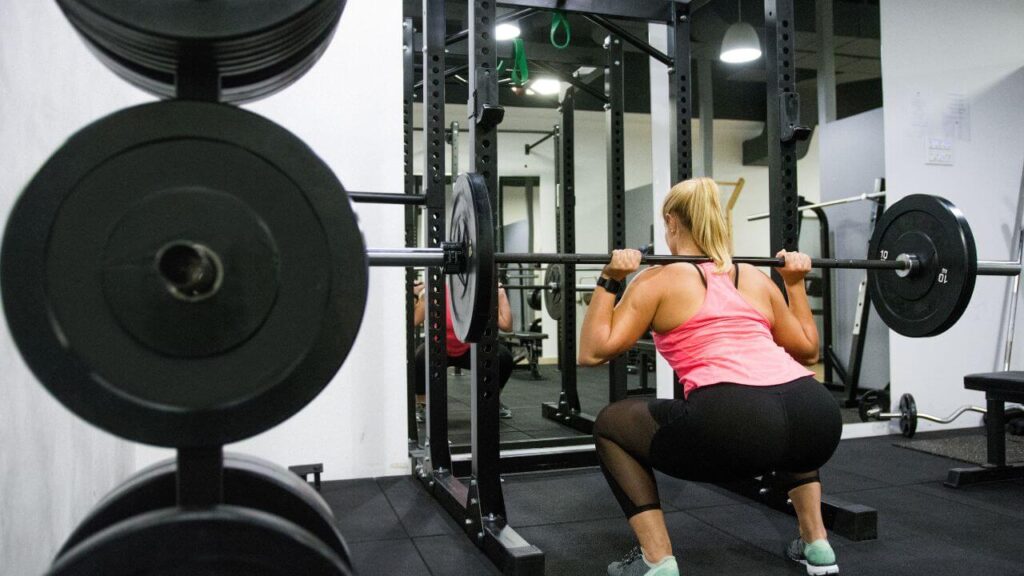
(520, 68)
(558, 20)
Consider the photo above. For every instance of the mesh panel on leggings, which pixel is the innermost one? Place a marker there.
(622, 435)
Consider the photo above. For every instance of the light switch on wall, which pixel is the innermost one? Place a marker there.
(939, 151)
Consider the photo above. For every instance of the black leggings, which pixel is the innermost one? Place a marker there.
(720, 433)
(505, 364)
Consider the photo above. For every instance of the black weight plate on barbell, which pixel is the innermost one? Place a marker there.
(872, 399)
(930, 300)
(908, 416)
(472, 292)
(249, 482)
(203, 542)
(554, 278)
(251, 48)
(535, 299)
(97, 323)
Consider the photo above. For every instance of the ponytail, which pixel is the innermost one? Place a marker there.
(695, 203)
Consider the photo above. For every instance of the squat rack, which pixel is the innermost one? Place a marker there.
(478, 504)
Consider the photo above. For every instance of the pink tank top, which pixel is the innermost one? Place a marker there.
(455, 346)
(727, 340)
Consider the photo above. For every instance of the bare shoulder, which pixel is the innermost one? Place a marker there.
(751, 271)
(667, 272)
(763, 280)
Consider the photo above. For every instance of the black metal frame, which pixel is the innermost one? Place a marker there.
(567, 409)
(615, 145)
(783, 112)
(480, 507)
(408, 72)
(825, 242)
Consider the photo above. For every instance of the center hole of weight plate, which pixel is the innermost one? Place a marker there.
(191, 271)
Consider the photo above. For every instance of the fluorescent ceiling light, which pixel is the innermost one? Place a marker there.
(740, 44)
(546, 86)
(506, 31)
(585, 70)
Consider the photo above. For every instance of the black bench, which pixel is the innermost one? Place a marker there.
(304, 470)
(999, 388)
(531, 344)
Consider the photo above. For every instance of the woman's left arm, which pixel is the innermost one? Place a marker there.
(504, 311)
(609, 330)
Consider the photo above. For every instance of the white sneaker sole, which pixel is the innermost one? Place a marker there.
(820, 570)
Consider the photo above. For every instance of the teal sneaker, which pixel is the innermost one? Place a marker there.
(634, 564)
(817, 556)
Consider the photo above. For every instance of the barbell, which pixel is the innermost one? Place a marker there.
(871, 409)
(921, 275)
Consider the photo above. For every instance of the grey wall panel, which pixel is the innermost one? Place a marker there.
(852, 157)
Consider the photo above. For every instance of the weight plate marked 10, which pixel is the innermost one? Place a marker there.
(931, 299)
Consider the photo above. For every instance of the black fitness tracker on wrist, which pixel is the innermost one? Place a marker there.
(610, 285)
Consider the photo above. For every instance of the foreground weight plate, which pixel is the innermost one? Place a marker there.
(221, 540)
(553, 297)
(244, 49)
(472, 292)
(930, 300)
(184, 274)
(908, 415)
(249, 482)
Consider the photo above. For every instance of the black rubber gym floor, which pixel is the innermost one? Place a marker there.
(394, 527)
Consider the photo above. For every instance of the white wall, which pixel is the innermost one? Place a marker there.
(923, 74)
(55, 467)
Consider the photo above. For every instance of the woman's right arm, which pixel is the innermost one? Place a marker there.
(419, 311)
(794, 328)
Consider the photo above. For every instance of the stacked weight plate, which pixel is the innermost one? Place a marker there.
(189, 274)
(246, 49)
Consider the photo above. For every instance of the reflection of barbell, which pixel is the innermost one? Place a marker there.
(924, 240)
(858, 198)
(555, 287)
(908, 414)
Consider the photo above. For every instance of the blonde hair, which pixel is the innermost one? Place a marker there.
(695, 203)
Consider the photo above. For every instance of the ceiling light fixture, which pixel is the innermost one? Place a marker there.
(546, 86)
(740, 43)
(506, 31)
